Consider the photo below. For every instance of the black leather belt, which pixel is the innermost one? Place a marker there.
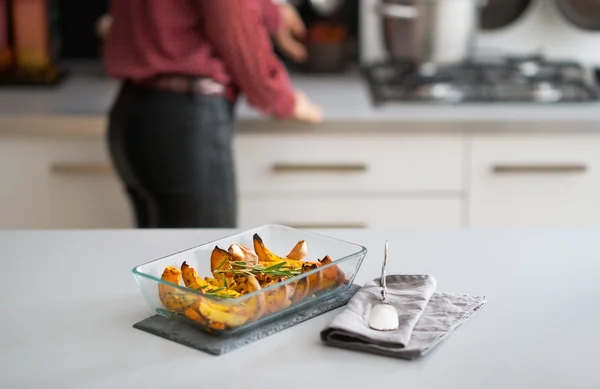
(183, 84)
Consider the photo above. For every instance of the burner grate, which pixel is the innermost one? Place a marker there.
(512, 79)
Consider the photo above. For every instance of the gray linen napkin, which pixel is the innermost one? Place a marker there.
(426, 317)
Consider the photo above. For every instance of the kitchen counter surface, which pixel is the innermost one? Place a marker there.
(87, 91)
(69, 301)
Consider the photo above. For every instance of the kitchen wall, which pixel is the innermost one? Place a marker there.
(542, 29)
(545, 29)
(548, 33)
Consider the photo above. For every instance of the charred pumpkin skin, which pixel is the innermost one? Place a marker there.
(264, 254)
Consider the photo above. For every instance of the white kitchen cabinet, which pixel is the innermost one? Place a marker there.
(59, 182)
(352, 213)
(535, 180)
(369, 163)
(56, 173)
(342, 180)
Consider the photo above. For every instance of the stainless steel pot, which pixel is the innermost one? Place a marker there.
(500, 13)
(584, 14)
(430, 32)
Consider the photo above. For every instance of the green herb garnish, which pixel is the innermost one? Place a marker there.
(281, 269)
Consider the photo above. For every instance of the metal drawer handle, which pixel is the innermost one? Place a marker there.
(539, 168)
(319, 167)
(310, 226)
(87, 168)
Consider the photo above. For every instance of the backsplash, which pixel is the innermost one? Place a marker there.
(542, 29)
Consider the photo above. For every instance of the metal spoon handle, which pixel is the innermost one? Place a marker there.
(383, 280)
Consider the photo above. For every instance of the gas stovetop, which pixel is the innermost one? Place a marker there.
(531, 79)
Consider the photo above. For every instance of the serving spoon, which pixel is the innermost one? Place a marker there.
(384, 316)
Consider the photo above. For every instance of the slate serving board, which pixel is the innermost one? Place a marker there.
(183, 334)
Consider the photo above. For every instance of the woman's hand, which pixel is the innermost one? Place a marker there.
(291, 29)
(305, 110)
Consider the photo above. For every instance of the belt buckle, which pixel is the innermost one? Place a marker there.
(208, 86)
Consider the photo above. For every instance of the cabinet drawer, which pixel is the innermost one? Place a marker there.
(293, 163)
(59, 183)
(351, 213)
(535, 181)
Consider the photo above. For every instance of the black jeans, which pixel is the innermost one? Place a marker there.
(173, 154)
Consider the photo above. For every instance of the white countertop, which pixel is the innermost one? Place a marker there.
(69, 301)
(346, 97)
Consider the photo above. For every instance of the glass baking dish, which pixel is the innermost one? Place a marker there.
(232, 295)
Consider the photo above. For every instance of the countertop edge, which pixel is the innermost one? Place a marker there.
(94, 125)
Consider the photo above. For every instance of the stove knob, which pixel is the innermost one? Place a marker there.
(529, 68)
(546, 92)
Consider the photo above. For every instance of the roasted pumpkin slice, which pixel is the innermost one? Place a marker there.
(278, 299)
(301, 289)
(293, 263)
(191, 279)
(255, 306)
(315, 279)
(264, 254)
(192, 313)
(220, 262)
(268, 258)
(171, 297)
(213, 282)
(332, 276)
(222, 315)
(215, 312)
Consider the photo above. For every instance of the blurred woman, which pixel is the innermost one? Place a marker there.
(182, 65)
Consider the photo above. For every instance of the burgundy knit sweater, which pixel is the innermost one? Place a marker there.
(227, 40)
